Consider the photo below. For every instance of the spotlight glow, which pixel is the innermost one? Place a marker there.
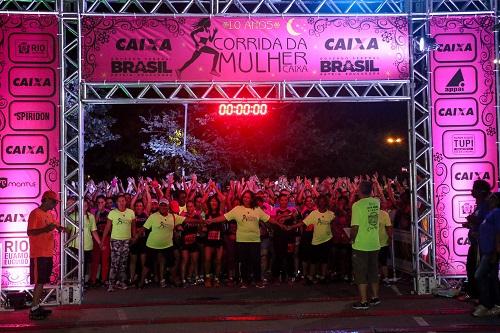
(243, 109)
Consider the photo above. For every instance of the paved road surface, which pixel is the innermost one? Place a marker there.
(282, 308)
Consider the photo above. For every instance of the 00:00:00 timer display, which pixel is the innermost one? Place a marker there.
(242, 109)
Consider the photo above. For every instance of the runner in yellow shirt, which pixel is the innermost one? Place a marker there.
(121, 223)
(247, 217)
(321, 219)
(159, 245)
(366, 244)
(89, 232)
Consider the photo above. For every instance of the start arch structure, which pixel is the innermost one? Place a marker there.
(439, 173)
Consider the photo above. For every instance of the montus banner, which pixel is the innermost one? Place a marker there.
(29, 134)
(464, 129)
(224, 49)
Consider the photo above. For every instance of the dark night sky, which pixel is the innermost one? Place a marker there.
(366, 126)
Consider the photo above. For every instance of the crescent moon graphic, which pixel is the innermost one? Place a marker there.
(290, 29)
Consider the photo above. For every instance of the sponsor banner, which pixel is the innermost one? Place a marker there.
(14, 216)
(24, 149)
(32, 115)
(464, 129)
(29, 133)
(165, 49)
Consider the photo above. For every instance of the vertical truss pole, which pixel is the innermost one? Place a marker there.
(420, 147)
(71, 284)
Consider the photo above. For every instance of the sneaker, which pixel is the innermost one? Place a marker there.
(111, 288)
(122, 286)
(163, 283)
(243, 286)
(361, 306)
(480, 311)
(494, 311)
(387, 282)
(260, 285)
(374, 301)
(37, 314)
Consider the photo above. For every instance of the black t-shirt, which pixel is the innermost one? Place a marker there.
(101, 219)
(139, 222)
(278, 232)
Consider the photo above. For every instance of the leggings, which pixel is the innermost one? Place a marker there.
(249, 258)
(102, 257)
(119, 259)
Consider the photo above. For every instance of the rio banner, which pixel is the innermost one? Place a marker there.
(224, 49)
(464, 129)
(29, 134)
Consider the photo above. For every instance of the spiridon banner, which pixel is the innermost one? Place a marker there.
(29, 134)
(223, 49)
(464, 129)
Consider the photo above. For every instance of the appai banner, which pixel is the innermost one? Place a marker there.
(464, 129)
(165, 49)
(29, 134)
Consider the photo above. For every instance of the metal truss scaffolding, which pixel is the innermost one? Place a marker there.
(202, 92)
(72, 173)
(420, 148)
(75, 93)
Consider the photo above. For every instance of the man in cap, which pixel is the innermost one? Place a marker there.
(41, 224)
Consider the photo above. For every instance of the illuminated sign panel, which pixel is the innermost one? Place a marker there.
(464, 129)
(29, 134)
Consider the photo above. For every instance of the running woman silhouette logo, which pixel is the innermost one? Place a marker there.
(203, 36)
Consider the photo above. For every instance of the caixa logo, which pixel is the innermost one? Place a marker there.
(461, 241)
(32, 81)
(463, 174)
(14, 216)
(455, 112)
(455, 48)
(25, 149)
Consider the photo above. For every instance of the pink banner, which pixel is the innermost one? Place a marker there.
(464, 129)
(29, 134)
(165, 49)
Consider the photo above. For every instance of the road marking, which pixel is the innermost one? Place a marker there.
(421, 321)
(396, 290)
(122, 316)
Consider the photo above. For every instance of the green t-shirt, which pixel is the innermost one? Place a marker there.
(365, 215)
(247, 222)
(122, 223)
(322, 225)
(162, 230)
(88, 226)
(383, 221)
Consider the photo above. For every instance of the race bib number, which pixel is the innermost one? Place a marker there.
(189, 239)
(214, 235)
